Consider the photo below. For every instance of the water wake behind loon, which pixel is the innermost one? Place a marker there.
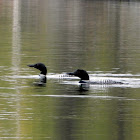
(122, 80)
(126, 79)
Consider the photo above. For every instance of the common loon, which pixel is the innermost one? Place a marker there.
(82, 74)
(43, 69)
(84, 78)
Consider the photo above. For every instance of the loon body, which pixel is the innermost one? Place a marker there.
(84, 78)
(43, 69)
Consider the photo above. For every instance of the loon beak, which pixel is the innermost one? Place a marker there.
(32, 65)
(71, 73)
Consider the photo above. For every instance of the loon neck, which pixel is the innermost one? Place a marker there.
(84, 78)
(42, 78)
(42, 75)
(43, 72)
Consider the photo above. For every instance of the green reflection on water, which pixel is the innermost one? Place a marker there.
(66, 35)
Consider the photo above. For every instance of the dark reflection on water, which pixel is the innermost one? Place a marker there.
(101, 37)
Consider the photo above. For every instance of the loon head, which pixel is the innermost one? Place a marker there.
(39, 66)
(80, 73)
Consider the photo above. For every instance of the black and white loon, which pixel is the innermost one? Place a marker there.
(84, 78)
(82, 74)
(43, 69)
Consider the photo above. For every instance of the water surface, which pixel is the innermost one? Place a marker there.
(101, 37)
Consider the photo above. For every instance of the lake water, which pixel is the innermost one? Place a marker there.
(100, 36)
